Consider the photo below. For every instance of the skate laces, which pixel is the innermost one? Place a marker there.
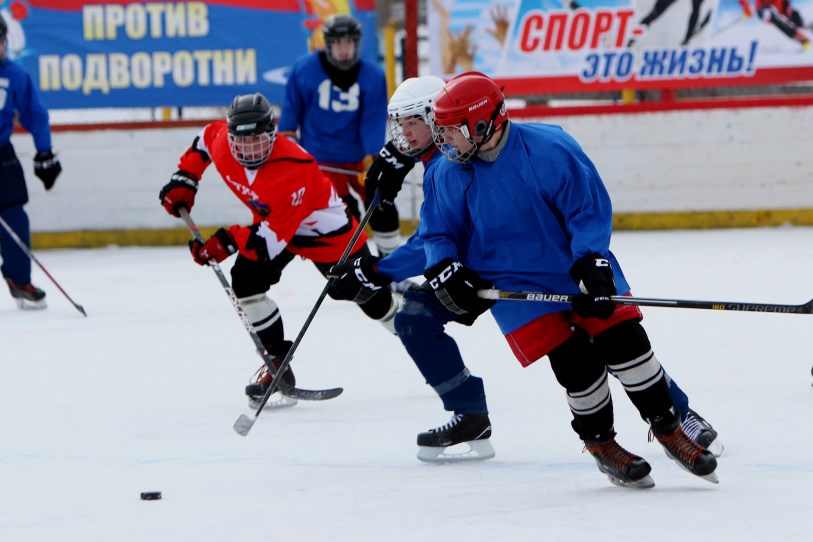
(680, 445)
(448, 425)
(612, 453)
(692, 427)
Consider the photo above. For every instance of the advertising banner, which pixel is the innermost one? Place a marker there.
(584, 45)
(102, 53)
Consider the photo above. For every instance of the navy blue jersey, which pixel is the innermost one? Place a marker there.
(522, 220)
(335, 126)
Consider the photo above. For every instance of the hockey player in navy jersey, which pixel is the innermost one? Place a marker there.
(422, 318)
(336, 107)
(19, 96)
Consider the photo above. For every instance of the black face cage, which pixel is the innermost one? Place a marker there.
(343, 64)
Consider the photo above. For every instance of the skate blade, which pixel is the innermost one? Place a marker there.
(275, 402)
(474, 450)
(644, 483)
(28, 305)
(710, 477)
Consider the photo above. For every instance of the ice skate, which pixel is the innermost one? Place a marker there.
(463, 438)
(699, 430)
(685, 452)
(256, 389)
(27, 296)
(621, 467)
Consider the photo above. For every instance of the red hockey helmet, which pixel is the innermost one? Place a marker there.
(471, 105)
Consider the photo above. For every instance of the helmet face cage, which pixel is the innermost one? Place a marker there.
(252, 150)
(409, 114)
(455, 142)
(340, 30)
(411, 134)
(252, 130)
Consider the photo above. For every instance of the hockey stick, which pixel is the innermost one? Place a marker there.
(34, 259)
(244, 424)
(806, 308)
(285, 388)
(331, 169)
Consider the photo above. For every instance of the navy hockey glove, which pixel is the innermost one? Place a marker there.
(47, 168)
(179, 192)
(220, 246)
(456, 287)
(387, 173)
(357, 281)
(594, 276)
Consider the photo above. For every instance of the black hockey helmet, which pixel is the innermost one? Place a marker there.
(252, 129)
(336, 28)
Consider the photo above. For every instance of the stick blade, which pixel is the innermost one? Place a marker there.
(244, 424)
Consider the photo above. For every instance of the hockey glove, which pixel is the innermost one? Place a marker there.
(387, 173)
(357, 281)
(594, 276)
(179, 192)
(220, 246)
(47, 168)
(456, 287)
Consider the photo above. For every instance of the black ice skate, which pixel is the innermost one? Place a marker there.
(699, 430)
(621, 467)
(684, 451)
(463, 438)
(27, 296)
(263, 377)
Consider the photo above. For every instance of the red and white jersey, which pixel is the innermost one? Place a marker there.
(294, 206)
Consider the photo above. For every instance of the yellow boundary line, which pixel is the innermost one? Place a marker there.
(621, 222)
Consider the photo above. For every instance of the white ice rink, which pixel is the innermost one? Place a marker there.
(141, 395)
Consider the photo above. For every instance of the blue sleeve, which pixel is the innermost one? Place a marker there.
(406, 261)
(33, 115)
(291, 105)
(443, 221)
(585, 203)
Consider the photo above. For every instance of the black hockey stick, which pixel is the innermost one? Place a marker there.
(34, 259)
(285, 388)
(806, 308)
(244, 423)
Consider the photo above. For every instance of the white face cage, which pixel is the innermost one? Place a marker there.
(455, 142)
(253, 150)
(411, 135)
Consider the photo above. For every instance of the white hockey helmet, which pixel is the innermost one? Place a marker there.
(409, 114)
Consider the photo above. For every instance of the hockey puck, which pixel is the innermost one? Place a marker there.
(151, 496)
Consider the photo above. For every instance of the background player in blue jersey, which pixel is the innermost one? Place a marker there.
(336, 107)
(421, 320)
(19, 96)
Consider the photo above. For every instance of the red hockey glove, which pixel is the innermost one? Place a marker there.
(456, 287)
(179, 192)
(47, 168)
(357, 281)
(594, 276)
(220, 246)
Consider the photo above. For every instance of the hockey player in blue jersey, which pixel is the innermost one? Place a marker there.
(19, 96)
(422, 318)
(336, 107)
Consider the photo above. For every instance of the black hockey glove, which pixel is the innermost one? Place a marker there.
(387, 173)
(179, 192)
(594, 276)
(47, 168)
(357, 281)
(456, 287)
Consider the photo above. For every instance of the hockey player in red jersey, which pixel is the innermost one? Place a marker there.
(295, 212)
(782, 15)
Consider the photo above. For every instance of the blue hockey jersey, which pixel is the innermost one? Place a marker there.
(522, 220)
(335, 126)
